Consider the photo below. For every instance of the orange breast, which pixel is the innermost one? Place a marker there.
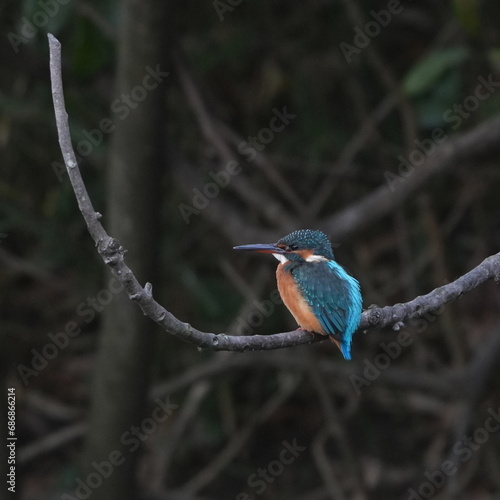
(296, 304)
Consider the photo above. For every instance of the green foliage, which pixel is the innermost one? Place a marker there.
(92, 51)
(53, 19)
(435, 83)
(430, 71)
(468, 14)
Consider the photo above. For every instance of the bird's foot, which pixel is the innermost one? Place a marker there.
(305, 330)
(311, 332)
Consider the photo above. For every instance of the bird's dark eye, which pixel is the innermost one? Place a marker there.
(293, 247)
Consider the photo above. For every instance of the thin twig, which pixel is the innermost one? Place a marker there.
(346, 158)
(210, 129)
(51, 442)
(337, 431)
(324, 467)
(160, 467)
(242, 436)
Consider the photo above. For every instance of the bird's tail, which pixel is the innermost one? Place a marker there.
(345, 348)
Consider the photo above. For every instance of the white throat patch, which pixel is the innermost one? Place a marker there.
(281, 257)
(316, 258)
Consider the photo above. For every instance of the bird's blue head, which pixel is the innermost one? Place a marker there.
(299, 246)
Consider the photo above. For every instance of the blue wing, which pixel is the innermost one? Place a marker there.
(334, 297)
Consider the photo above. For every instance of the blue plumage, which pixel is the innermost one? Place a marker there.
(334, 297)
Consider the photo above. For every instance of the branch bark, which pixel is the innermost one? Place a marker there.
(112, 254)
(479, 142)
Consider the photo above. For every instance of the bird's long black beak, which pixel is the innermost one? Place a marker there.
(258, 247)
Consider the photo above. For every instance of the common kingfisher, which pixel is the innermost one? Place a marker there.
(318, 292)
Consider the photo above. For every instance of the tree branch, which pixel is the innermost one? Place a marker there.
(113, 253)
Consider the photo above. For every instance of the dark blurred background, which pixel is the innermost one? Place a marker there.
(204, 125)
